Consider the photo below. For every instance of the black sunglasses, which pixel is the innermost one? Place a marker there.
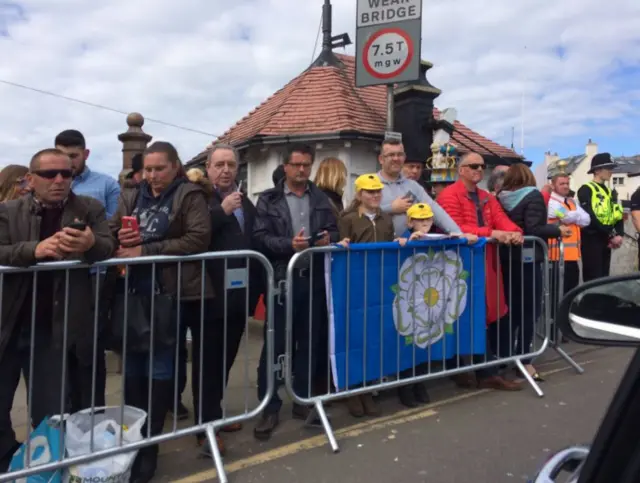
(474, 166)
(53, 173)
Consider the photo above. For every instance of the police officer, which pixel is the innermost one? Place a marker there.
(606, 228)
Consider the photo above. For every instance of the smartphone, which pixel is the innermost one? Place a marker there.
(409, 194)
(314, 238)
(78, 225)
(130, 222)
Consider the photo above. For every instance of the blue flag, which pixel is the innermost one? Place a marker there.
(391, 308)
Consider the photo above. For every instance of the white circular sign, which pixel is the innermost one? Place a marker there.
(388, 53)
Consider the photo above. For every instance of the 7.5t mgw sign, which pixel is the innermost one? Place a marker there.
(388, 36)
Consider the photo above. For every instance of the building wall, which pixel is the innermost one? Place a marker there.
(359, 158)
(624, 185)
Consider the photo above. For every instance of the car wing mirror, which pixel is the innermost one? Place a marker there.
(603, 312)
(568, 460)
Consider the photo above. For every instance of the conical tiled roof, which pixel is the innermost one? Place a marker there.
(324, 100)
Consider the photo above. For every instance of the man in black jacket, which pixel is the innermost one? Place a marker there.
(293, 216)
(232, 222)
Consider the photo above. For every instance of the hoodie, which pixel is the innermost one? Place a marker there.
(527, 209)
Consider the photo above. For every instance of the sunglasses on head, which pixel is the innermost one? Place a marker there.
(53, 173)
(474, 166)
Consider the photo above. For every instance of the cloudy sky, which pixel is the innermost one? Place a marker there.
(203, 64)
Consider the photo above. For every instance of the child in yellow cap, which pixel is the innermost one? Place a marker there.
(363, 221)
(420, 223)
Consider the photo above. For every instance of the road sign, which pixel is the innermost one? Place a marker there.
(387, 53)
(388, 38)
(378, 12)
(393, 135)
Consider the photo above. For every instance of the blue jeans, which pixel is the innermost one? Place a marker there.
(137, 365)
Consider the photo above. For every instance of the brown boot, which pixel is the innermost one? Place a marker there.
(499, 383)
(465, 380)
(369, 405)
(354, 404)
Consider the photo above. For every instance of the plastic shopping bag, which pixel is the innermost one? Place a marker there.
(46, 447)
(109, 425)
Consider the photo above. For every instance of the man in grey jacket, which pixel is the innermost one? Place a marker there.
(399, 193)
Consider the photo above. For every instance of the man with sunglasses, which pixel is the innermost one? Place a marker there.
(479, 212)
(52, 223)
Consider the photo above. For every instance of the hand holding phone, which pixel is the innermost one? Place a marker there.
(77, 225)
(129, 234)
(75, 238)
(300, 242)
(130, 223)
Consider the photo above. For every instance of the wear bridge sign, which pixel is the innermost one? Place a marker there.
(375, 12)
(388, 38)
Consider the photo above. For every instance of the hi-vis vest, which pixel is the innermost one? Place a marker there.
(571, 243)
(607, 212)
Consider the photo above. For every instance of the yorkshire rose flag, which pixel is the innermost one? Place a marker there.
(391, 306)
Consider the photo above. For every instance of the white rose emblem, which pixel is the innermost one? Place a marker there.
(430, 296)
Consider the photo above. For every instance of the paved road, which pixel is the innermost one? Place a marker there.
(464, 436)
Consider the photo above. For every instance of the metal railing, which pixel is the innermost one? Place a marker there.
(51, 285)
(557, 277)
(380, 337)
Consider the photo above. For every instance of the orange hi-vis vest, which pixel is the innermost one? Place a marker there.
(571, 244)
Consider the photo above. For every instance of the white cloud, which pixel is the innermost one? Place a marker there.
(189, 63)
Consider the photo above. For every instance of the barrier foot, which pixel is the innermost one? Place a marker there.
(328, 430)
(217, 457)
(529, 379)
(578, 368)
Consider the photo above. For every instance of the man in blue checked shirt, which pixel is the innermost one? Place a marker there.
(106, 190)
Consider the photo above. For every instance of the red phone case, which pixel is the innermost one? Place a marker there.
(130, 222)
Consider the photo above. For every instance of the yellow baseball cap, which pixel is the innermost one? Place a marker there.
(420, 211)
(369, 182)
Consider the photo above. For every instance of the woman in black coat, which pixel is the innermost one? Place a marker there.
(522, 267)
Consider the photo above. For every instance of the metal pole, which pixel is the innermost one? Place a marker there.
(390, 107)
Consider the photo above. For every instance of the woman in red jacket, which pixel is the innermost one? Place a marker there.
(478, 212)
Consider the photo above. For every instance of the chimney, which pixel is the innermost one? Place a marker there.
(592, 149)
(550, 158)
(413, 115)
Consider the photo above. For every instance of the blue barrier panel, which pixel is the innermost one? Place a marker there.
(392, 307)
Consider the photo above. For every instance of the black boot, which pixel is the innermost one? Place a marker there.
(136, 392)
(146, 462)
(405, 393)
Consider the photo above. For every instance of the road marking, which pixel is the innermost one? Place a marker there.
(349, 432)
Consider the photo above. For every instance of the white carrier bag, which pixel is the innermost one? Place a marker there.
(109, 424)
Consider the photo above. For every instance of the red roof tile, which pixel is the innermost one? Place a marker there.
(324, 99)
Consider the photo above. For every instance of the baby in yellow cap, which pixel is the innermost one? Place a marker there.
(420, 222)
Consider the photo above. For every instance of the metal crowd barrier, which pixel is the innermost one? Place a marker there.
(557, 291)
(359, 317)
(234, 280)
